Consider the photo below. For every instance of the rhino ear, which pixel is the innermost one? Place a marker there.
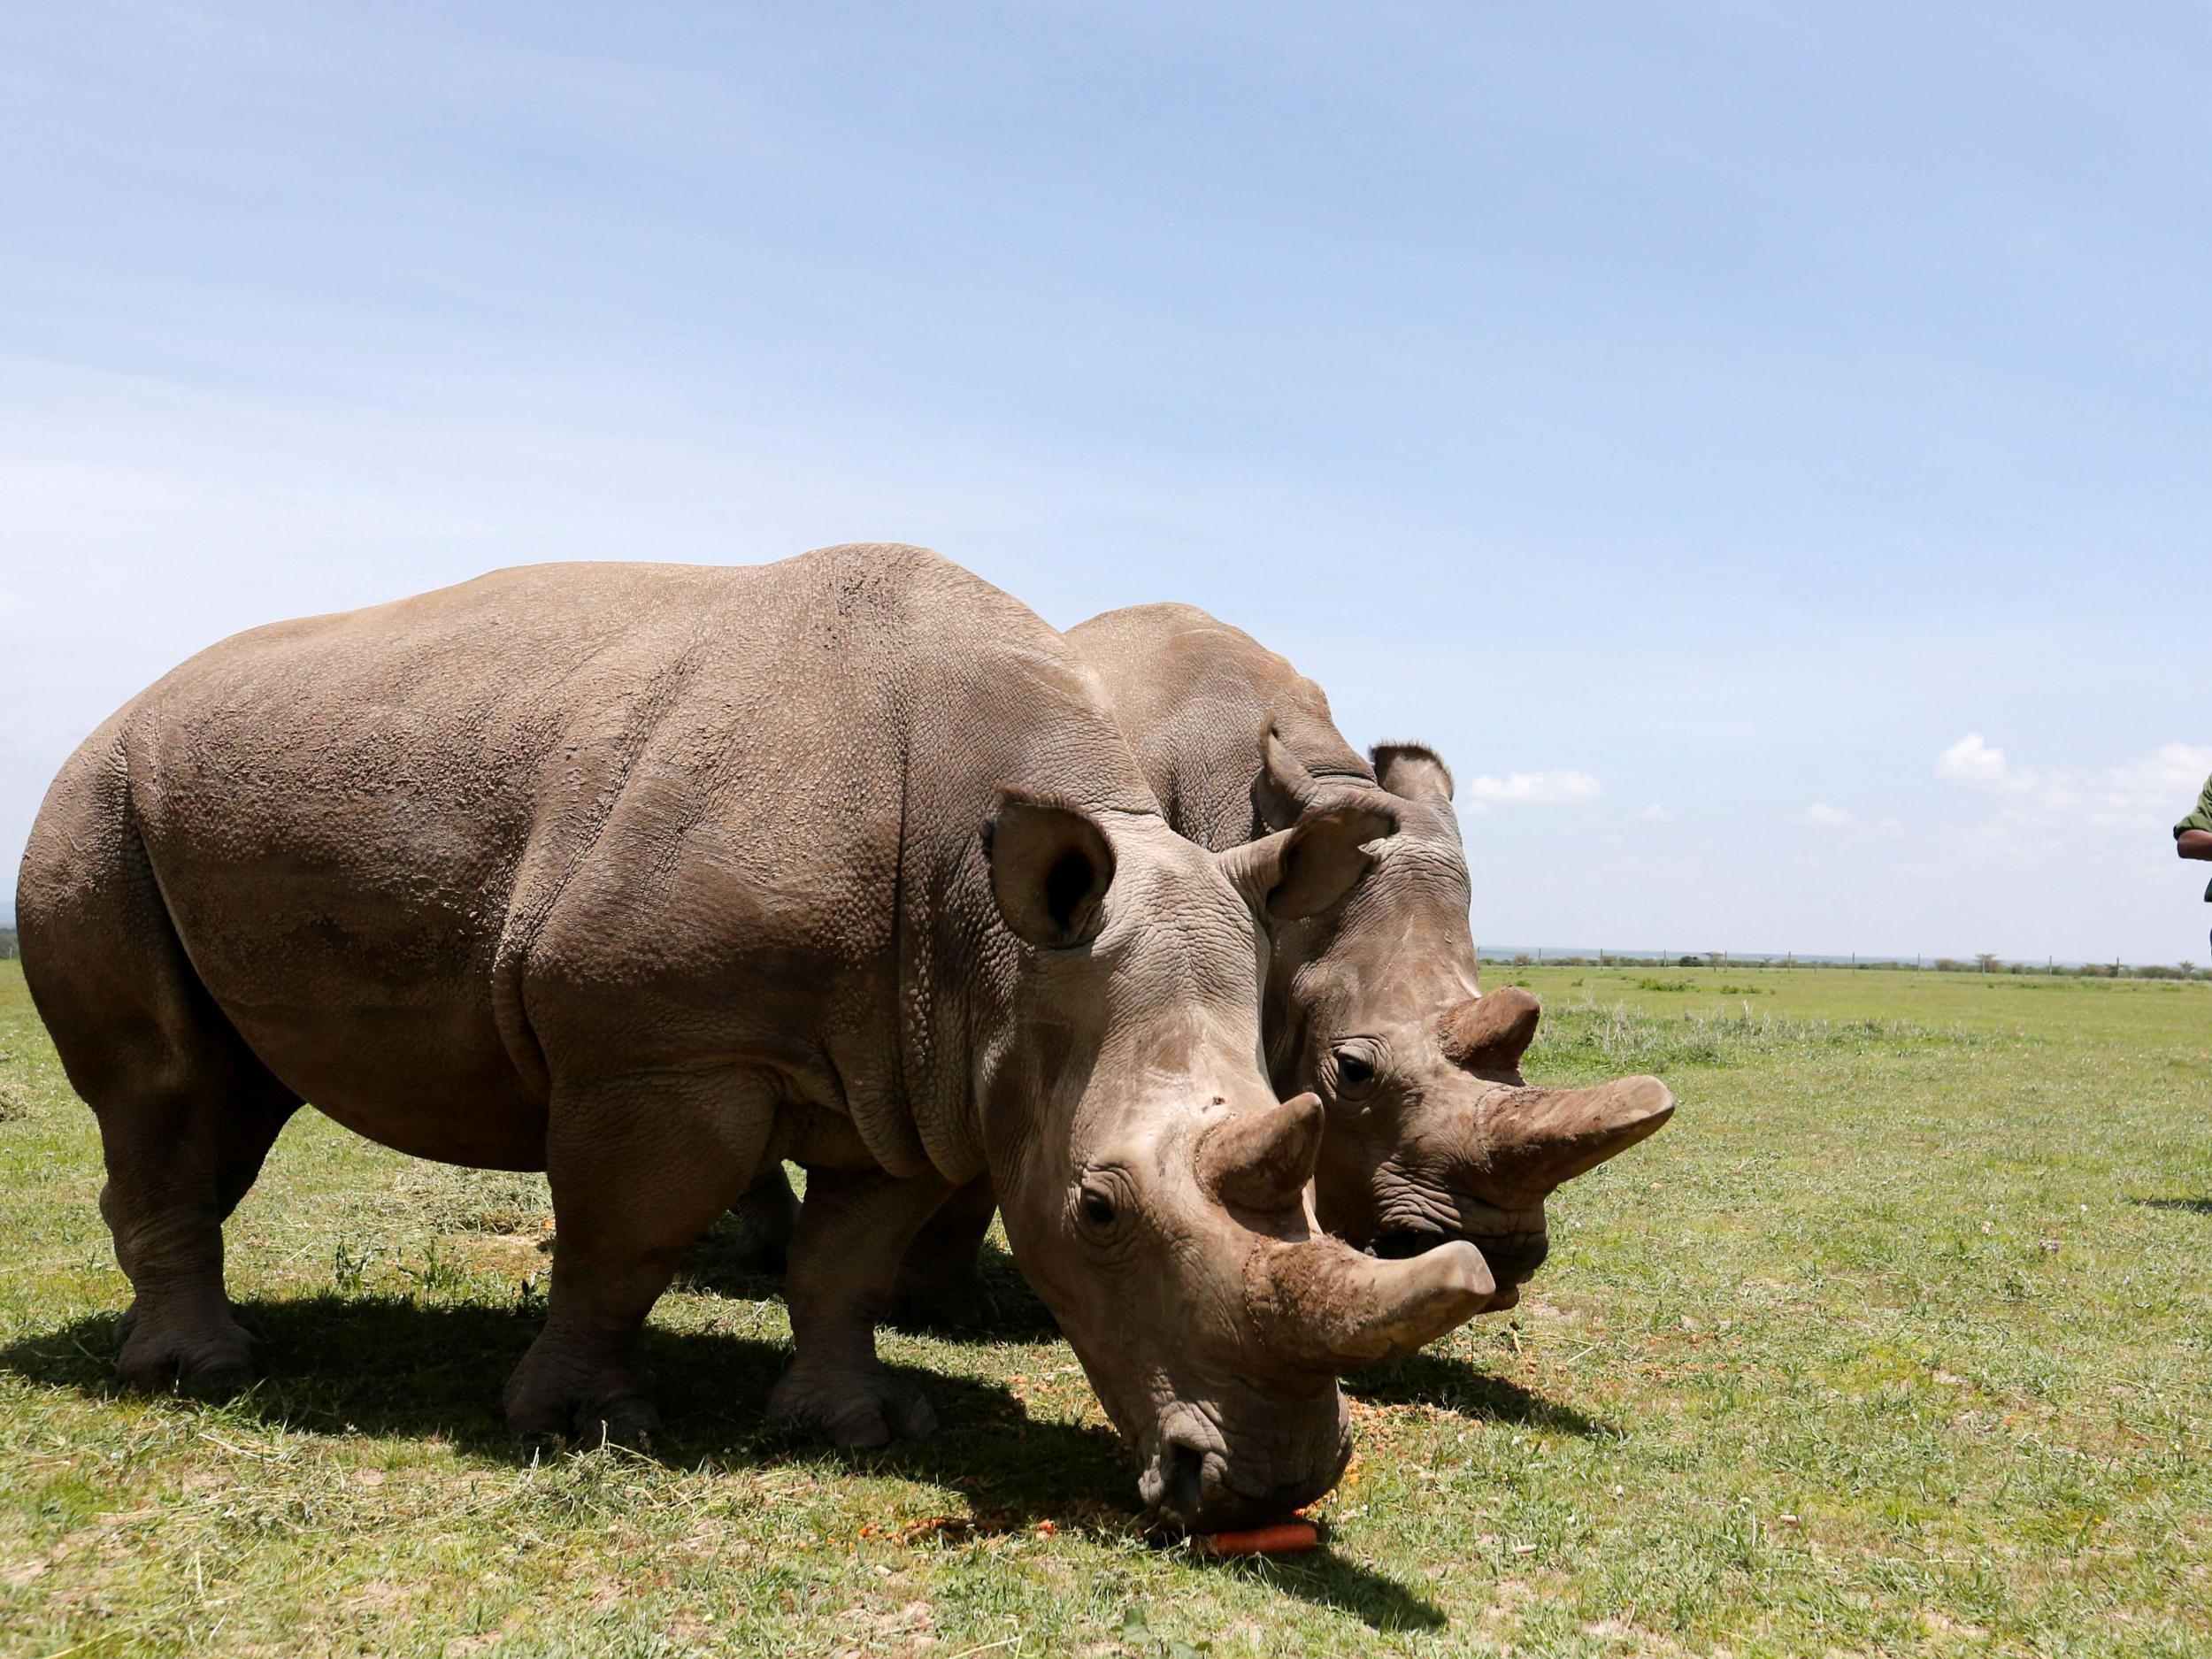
(1413, 771)
(1050, 867)
(1308, 869)
(1284, 789)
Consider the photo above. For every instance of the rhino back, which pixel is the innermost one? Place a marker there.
(585, 817)
(1194, 698)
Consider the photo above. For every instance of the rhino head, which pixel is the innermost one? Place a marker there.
(1154, 1188)
(1433, 1135)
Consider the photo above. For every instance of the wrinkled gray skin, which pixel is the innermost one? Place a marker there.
(645, 875)
(1431, 1133)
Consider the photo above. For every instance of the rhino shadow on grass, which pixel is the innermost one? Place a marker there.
(2194, 1206)
(1456, 1385)
(391, 1368)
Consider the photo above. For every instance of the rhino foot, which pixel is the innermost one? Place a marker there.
(608, 1408)
(212, 1357)
(965, 1303)
(857, 1409)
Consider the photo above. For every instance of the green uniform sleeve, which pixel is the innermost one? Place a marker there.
(2201, 819)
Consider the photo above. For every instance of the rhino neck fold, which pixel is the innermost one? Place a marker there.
(933, 989)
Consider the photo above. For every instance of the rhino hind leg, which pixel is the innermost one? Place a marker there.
(186, 1112)
(939, 1287)
(638, 1170)
(179, 1160)
(853, 1228)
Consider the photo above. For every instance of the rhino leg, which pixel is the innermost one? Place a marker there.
(940, 1287)
(764, 1218)
(186, 1112)
(179, 1159)
(638, 1170)
(853, 1229)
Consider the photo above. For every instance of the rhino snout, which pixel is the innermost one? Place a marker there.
(1198, 1478)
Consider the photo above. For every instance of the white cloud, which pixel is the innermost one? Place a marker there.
(1971, 761)
(1655, 814)
(1825, 816)
(1535, 788)
(2151, 788)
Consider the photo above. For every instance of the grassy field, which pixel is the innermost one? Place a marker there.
(1898, 1338)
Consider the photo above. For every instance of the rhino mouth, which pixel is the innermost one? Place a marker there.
(1192, 1483)
(1514, 1243)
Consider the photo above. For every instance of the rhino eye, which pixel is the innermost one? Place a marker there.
(1095, 1204)
(1354, 1072)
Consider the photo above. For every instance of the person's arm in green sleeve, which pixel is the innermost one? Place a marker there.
(2193, 836)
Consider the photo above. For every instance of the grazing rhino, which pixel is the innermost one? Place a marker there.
(1430, 1132)
(644, 875)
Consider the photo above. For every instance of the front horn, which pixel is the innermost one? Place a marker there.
(1323, 1306)
(1546, 1137)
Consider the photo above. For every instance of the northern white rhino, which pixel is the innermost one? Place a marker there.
(646, 875)
(1432, 1135)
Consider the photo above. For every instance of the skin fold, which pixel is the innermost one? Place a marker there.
(651, 876)
(1431, 1133)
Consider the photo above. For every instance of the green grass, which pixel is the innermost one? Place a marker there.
(1897, 1340)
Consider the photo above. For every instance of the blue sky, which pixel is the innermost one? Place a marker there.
(1698, 420)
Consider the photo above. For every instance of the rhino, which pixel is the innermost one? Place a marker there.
(649, 876)
(1432, 1135)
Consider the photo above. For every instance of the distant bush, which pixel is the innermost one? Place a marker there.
(7, 944)
(1692, 985)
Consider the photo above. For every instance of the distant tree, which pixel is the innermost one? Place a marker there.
(1686, 962)
(7, 944)
(1988, 963)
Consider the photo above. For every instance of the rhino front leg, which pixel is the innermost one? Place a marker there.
(939, 1287)
(637, 1171)
(854, 1227)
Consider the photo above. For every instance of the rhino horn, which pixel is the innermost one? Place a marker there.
(1262, 1160)
(1323, 1306)
(1547, 1136)
(1489, 1035)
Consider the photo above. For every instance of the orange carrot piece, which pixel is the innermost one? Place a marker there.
(1286, 1539)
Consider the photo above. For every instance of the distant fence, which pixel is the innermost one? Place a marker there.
(1553, 956)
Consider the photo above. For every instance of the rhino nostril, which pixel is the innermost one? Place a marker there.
(1184, 1479)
